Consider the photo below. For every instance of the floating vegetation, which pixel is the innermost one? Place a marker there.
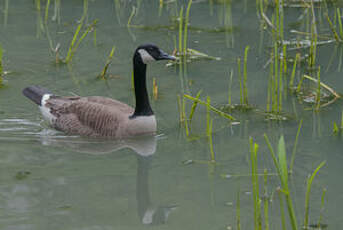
(209, 106)
(22, 175)
(317, 97)
(108, 62)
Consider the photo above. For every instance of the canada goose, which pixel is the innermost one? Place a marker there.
(100, 116)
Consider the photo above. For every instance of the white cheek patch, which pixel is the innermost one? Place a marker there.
(146, 57)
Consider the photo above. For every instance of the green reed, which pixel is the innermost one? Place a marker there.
(185, 36)
(85, 10)
(295, 146)
(336, 128)
(182, 113)
(318, 92)
(308, 191)
(238, 211)
(314, 39)
(108, 62)
(240, 80)
(180, 30)
(320, 219)
(291, 81)
(46, 15)
(194, 106)
(275, 85)
(245, 75)
(282, 208)
(340, 22)
(280, 163)
(1, 66)
(75, 42)
(243, 89)
(255, 184)
(266, 200)
(333, 30)
(210, 140)
(229, 88)
(208, 115)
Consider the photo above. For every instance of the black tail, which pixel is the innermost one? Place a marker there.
(35, 93)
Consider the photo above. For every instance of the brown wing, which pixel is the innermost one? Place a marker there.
(93, 116)
(110, 102)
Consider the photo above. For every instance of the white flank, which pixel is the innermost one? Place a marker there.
(146, 57)
(45, 110)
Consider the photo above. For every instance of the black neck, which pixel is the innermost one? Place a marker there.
(142, 99)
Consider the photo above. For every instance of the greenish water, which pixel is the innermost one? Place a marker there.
(52, 181)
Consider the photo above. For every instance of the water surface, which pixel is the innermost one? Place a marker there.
(52, 181)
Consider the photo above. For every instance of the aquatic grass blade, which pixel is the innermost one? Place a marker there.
(291, 81)
(238, 211)
(1, 67)
(295, 146)
(75, 43)
(210, 140)
(245, 75)
(255, 184)
(185, 36)
(194, 106)
(108, 62)
(308, 191)
(266, 200)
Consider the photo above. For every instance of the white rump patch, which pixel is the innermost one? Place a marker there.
(45, 110)
(146, 57)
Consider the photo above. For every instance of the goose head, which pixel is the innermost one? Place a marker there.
(149, 53)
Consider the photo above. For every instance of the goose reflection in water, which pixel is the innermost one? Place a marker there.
(144, 147)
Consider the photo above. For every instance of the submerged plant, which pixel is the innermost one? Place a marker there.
(318, 97)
